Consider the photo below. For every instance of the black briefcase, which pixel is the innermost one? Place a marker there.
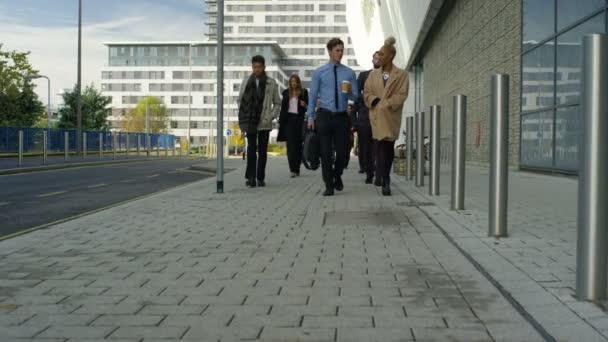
(312, 151)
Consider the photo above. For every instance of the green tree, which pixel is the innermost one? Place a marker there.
(19, 104)
(95, 109)
(135, 119)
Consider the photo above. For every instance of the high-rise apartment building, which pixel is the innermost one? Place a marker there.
(301, 27)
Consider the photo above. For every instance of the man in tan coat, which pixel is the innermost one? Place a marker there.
(385, 92)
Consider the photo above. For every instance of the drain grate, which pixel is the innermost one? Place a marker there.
(354, 218)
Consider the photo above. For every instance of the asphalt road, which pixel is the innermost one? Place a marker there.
(30, 200)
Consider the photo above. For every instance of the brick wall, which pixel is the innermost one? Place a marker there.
(470, 41)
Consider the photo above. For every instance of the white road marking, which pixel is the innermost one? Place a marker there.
(153, 176)
(4, 203)
(96, 185)
(127, 181)
(52, 194)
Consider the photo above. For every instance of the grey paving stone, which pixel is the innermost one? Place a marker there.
(149, 332)
(374, 335)
(127, 320)
(58, 331)
(59, 319)
(300, 334)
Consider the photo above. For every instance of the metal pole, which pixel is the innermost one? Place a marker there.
(20, 148)
(113, 145)
(499, 149)
(458, 151)
(157, 147)
(166, 146)
(100, 146)
(435, 150)
(45, 142)
(84, 145)
(66, 145)
(189, 93)
(79, 81)
(138, 144)
(148, 146)
(593, 186)
(409, 152)
(173, 146)
(220, 96)
(127, 146)
(420, 149)
(48, 115)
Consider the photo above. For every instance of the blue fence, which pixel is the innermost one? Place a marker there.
(33, 140)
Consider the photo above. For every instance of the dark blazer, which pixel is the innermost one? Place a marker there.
(361, 112)
(284, 112)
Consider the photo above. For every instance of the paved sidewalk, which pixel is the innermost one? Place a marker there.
(536, 264)
(280, 263)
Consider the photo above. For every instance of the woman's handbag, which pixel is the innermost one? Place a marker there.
(312, 151)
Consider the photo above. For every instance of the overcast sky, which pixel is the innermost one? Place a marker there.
(49, 29)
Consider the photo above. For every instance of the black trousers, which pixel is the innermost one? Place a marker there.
(295, 140)
(386, 155)
(333, 130)
(365, 145)
(257, 154)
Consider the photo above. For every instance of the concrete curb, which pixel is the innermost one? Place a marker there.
(72, 165)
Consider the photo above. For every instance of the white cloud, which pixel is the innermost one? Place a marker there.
(54, 49)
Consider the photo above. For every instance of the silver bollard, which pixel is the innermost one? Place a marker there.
(45, 144)
(114, 146)
(66, 145)
(173, 146)
(128, 147)
(420, 149)
(592, 218)
(409, 147)
(100, 146)
(20, 148)
(459, 135)
(166, 148)
(157, 147)
(435, 150)
(138, 144)
(499, 149)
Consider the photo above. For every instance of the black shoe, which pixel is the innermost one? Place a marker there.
(250, 183)
(386, 187)
(328, 192)
(361, 171)
(369, 180)
(378, 182)
(261, 183)
(338, 185)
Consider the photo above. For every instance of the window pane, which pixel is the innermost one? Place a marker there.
(569, 59)
(538, 21)
(537, 78)
(569, 11)
(567, 133)
(537, 139)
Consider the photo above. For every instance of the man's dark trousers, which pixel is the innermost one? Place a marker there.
(365, 144)
(257, 154)
(333, 131)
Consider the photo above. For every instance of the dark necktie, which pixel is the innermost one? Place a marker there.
(336, 86)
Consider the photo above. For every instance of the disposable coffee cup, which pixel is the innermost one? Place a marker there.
(346, 87)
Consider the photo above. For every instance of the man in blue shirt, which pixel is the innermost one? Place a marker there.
(332, 84)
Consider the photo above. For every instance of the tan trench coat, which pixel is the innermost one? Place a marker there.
(385, 117)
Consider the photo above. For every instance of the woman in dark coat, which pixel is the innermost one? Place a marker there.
(291, 122)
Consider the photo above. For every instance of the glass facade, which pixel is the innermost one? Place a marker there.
(552, 33)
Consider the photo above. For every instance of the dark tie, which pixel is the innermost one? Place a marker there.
(336, 86)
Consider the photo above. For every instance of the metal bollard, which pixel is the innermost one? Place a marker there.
(128, 147)
(113, 146)
(45, 144)
(157, 147)
(84, 145)
(20, 148)
(166, 148)
(499, 149)
(66, 145)
(173, 146)
(148, 147)
(138, 144)
(409, 152)
(100, 146)
(435, 150)
(420, 149)
(592, 218)
(458, 152)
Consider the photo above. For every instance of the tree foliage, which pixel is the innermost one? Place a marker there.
(19, 104)
(135, 119)
(95, 109)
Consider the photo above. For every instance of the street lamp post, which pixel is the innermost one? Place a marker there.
(78, 82)
(48, 108)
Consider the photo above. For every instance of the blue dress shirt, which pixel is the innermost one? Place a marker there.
(323, 85)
